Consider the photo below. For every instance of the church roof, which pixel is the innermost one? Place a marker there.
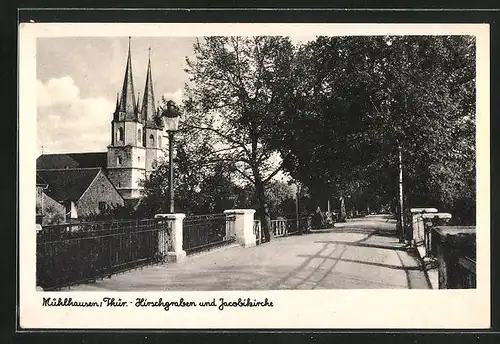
(148, 103)
(72, 160)
(68, 184)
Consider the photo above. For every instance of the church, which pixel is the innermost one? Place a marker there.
(113, 177)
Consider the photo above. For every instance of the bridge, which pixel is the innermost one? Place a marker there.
(362, 253)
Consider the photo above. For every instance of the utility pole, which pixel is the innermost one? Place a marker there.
(297, 208)
(400, 196)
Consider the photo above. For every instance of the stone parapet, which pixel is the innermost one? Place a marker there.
(417, 224)
(455, 248)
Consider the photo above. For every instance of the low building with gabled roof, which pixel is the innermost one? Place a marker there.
(82, 191)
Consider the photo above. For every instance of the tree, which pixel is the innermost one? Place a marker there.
(358, 99)
(202, 184)
(237, 88)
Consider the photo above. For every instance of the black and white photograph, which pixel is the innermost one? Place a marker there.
(234, 169)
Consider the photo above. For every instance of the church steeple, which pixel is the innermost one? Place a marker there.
(127, 103)
(148, 102)
(137, 105)
(117, 108)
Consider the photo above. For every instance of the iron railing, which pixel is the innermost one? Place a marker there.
(201, 232)
(282, 227)
(77, 253)
(257, 231)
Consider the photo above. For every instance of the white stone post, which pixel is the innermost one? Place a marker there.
(417, 224)
(445, 217)
(175, 253)
(243, 226)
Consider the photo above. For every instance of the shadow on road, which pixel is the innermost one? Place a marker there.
(397, 247)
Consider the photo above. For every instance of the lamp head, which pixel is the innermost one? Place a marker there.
(170, 116)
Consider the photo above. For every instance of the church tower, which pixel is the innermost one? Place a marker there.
(127, 151)
(153, 128)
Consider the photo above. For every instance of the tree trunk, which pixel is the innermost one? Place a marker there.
(265, 218)
(343, 214)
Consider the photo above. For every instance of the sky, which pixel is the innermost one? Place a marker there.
(78, 79)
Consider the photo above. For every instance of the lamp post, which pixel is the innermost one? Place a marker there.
(170, 116)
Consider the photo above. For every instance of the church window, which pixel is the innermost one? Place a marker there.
(151, 140)
(139, 136)
(120, 134)
(118, 160)
(139, 158)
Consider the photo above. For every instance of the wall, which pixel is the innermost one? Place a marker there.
(128, 176)
(100, 190)
(39, 202)
(114, 128)
(131, 134)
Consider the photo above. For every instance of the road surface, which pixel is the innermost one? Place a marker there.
(359, 254)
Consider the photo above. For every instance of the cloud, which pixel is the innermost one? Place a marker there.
(68, 123)
(299, 40)
(175, 96)
(56, 91)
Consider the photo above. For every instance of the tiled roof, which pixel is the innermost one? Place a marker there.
(71, 160)
(68, 184)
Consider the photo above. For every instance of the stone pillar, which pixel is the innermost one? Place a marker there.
(432, 219)
(230, 222)
(175, 253)
(454, 243)
(417, 224)
(243, 226)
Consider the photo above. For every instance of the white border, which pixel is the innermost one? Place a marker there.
(418, 309)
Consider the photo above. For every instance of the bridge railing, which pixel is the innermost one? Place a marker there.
(257, 231)
(76, 253)
(82, 252)
(450, 249)
(202, 232)
(282, 227)
(455, 250)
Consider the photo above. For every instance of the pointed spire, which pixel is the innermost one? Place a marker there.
(117, 107)
(148, 102)
(138, 97)
(127, 103)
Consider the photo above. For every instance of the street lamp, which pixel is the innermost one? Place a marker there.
(170, 116)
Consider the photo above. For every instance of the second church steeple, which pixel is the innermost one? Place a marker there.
(127, 109)
(148, 111)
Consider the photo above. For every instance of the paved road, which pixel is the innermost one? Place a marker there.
(360, 254)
